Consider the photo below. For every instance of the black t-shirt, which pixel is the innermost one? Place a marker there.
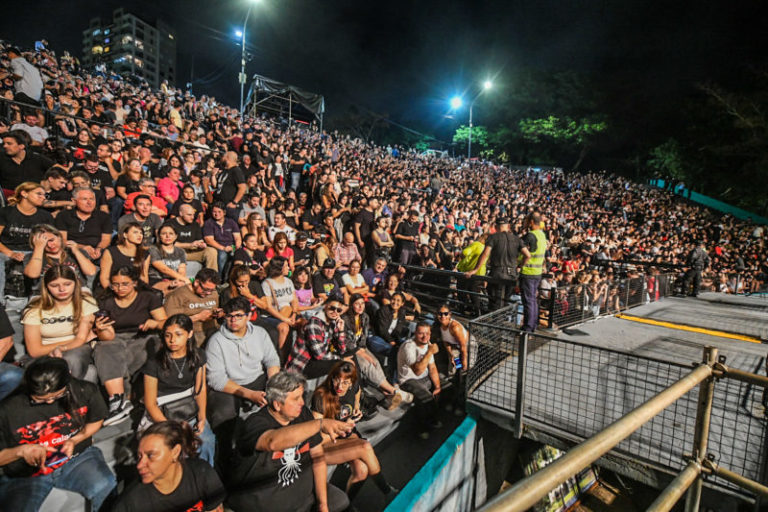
(530, 242)
(226, 184)
(346, 403)
(311, 218)
(57, 195)
(85, 232)
(200, 489)
(130, 185)
(279, 480)
(47, 424)
(168, 381)
(17, 226)
(100, 179)
(129, 319)
(78, 151)
(6, 329)
(188, 233)
(195, 203)
(407, 228)
(366, 220)
(302, 254)
(258, 258)
(31, 168)
(331, 287)
(504, 249)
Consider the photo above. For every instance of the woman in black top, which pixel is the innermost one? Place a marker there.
(172, 477)
(174, 383)
(138, 313)
(82, 146)
(129, 252)
(338, 398)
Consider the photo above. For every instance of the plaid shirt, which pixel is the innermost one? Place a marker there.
(344, 254)
(318, 340)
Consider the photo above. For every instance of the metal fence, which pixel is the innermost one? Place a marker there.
(575, 304)
(575, 390)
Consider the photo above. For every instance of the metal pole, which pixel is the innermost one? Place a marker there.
(701, 434)
(528, 492)
(469, 146)
(741, 375)
(522, 355)
(674, 491)
(737, 479)
(242, 78)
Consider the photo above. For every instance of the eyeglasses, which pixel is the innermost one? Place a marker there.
(236, 316)
(335, 308)
(34, 400)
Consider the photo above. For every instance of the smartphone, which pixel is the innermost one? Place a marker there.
(55, 459)
(102, 313)
(457, 363)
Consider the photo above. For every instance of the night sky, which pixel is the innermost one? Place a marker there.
(406, 58)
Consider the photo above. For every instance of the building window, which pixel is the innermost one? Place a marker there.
(170, 36)
(127, 39)
(106, 40)
(96, 50)
(139, 44)
(106, 31)
(106, 50)
(97, 32)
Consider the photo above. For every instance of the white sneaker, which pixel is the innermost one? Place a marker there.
(119, 409)
(406, 397)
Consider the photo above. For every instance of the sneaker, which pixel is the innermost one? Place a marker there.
(395, 401)
(405, 396)
(119, 409)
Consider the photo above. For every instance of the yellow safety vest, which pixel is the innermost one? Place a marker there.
(535, 265)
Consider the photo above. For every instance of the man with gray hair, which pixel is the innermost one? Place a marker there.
(279, 462)
(89, 228)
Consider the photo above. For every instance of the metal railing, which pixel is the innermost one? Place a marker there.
(633, 406)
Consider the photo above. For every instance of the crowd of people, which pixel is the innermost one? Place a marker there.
(201, 265)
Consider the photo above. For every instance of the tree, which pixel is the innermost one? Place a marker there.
(575, 133)
(667, 160)
(479, 136)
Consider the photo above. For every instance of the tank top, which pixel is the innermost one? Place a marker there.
(448, 337)
(119, 259)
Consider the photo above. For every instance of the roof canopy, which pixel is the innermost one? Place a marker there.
(266, 94)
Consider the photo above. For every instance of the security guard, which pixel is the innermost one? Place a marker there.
(698, 260)
(531, 270)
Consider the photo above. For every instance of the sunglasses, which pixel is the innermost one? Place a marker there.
(444, 313)
(335, 308)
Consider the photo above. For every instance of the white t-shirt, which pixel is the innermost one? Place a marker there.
(30, 83)
(410, 352)
(57, 325)
(355, 282)
(283, 294)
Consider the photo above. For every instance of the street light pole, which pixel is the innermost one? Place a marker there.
(469, 145)
(242, 77)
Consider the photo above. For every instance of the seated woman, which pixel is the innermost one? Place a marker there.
(390, 329)
(241, 284)
(48, 249)
(338, 398)
(60, 322)
(302, 283)
(280, 248)
(354, 282)
(167, 263)
(391, 286)
(34, 460)
(172, 476)
(357, 329)
(175, 386)
(137, 312)
(250, 256)
(282, 303)
(129, 252)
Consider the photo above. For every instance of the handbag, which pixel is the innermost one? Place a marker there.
(183, 409)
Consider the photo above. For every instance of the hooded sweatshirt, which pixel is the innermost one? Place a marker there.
(241, 360)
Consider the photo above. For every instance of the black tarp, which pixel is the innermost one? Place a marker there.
(315, 103)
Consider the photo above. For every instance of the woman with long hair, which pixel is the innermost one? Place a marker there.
(354, 282)
(172, 477)
(137, 312)
(392, 286)
(357, 328)
(302, 283)
(23, 213)
(174, 383)
(382, 239)
(167, 263)
(128, 252)
(61, 321)
(338, 398)
(81, 146)
(280, 294)
(280, 248)
(256, 225)
(49, 248)
(46, 427)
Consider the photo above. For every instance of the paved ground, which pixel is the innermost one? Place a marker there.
(580, 388)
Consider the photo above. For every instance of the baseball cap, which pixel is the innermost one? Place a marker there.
(329, 263)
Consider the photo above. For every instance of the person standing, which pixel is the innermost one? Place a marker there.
(418, 375)
(501, 250)
(531, 270)
(698, 260)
